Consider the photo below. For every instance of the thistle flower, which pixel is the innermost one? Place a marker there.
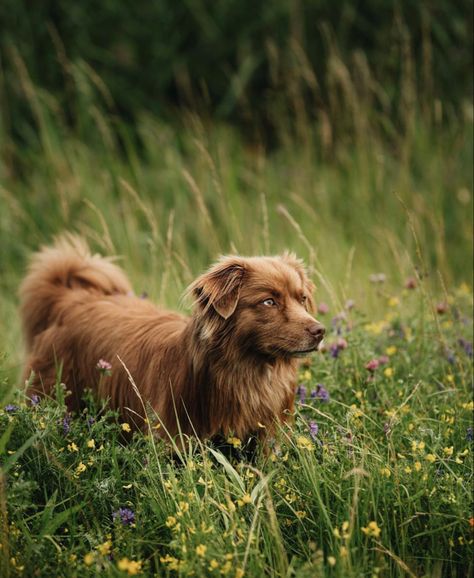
(372, 365)
(441, 308)
(323, 308)
(124, 515)
(411, 283)
(104, 367)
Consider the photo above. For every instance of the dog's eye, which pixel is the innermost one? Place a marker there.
(303, 300)
(269, 302)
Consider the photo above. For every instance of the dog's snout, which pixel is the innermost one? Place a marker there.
(317, 330)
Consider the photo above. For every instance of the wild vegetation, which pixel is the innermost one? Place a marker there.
(373, 188)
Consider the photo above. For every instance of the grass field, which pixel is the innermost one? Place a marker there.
(374, 477)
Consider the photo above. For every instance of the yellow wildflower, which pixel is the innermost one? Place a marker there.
(72, 447)
(430, 458)
(393, 302)
(246, 499)
(469, 405)
(126, 427)
(391, 350)
(201, 550)
(89, 558)
(417, 446)
(132, 567)
(304, 443)
(104, 549)
(331, 560)
(448, 451)
(91, 444)
(235, 442)
(372, 530)
(388, 371)
(385, 472)
(417, 466)
(80, 468)
(239, 573)
(170, 521)
(300, 514)
(408, 470)
(213, 564)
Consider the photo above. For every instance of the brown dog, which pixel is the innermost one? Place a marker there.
(229, 368)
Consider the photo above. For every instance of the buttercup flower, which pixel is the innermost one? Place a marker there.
(235, 442)
(372, 530)
(132, 567)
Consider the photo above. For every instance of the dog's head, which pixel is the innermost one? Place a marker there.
(263, 303)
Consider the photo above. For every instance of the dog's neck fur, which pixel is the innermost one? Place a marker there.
(231, 389)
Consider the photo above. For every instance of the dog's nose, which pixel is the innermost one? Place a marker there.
(317, 330)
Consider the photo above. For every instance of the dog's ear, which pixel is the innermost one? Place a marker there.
(220, 286)
(298, 264)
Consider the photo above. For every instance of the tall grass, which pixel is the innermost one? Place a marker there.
(353, 194)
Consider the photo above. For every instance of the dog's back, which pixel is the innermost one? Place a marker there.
(54, 272)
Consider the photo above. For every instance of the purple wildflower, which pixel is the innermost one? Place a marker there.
(125, 515)
(469, 434)
(10, 408)
(323, 308)
(301, 391)
(411, 283)
(313, 429)
(383, 359)
(466, 345)
(35, 399)
(90, 421)
(450, 356)
(104, 367)
(66, 424)
(336, 347)
(320, 393)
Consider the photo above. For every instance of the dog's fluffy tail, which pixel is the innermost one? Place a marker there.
(66, 266)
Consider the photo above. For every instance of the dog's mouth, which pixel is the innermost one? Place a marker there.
(303, 352)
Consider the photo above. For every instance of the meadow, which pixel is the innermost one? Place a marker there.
(373, 477)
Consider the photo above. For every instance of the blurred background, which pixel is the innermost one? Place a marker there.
(170, 132)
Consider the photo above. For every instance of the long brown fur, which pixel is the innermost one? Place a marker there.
(229, 368)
